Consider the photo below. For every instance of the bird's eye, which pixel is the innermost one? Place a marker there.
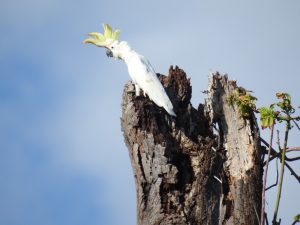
(112, 47)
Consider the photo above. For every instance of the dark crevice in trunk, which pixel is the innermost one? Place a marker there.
(178, 162)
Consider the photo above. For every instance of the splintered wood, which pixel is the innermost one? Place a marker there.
(185, 174)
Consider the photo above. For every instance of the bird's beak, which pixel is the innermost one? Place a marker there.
(109, 53)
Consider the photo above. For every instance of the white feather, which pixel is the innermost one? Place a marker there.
(143, 75)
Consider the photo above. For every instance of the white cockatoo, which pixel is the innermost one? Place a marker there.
(139, 68)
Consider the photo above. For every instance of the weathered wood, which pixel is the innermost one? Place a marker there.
(177, 161)
(242, 176)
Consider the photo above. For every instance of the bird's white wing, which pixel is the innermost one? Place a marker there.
(143, 74)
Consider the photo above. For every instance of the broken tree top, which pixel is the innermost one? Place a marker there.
(184, 172)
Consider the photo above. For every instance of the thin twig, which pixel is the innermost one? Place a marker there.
(273, 185)
(292, 159)
(286, 158)
(278, 141)
(262, 215)
(267, 221)
(263, 152)
(276, 154)
(286, 135)
(291, 149)
(292, 171)
(277, 175)
(273, 151)
(296, 124)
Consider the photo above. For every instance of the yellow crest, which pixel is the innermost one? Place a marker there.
(103, 40)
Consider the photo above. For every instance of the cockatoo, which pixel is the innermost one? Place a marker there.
(139, 68)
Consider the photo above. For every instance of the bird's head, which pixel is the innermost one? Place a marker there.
(108, 40)
(118, 49)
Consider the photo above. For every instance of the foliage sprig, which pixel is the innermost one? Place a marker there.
(244, 101)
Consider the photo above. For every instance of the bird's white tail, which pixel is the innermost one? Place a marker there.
(171, 112)
(169, 108)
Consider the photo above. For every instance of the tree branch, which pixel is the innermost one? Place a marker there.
(278, 198)
(262, 217)
(276, 154)
(291, 149)
(276, 182)
(292, 171)
(296, 124)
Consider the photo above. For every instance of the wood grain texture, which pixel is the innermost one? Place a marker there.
(176, 160)
(240, 141)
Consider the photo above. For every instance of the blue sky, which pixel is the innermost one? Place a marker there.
(62, 156)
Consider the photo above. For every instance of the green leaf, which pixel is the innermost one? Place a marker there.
(283, 95)
(243, 100)
(267, 116)
(297, 218)
(286, 103)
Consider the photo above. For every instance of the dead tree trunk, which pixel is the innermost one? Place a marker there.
(185, 172)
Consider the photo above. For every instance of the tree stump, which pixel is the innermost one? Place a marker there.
(186, 172)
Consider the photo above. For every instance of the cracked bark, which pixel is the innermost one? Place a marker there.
(177, 161)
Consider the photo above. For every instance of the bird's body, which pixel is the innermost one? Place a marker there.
(145, 78)
(142, 74)
(139, 68)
